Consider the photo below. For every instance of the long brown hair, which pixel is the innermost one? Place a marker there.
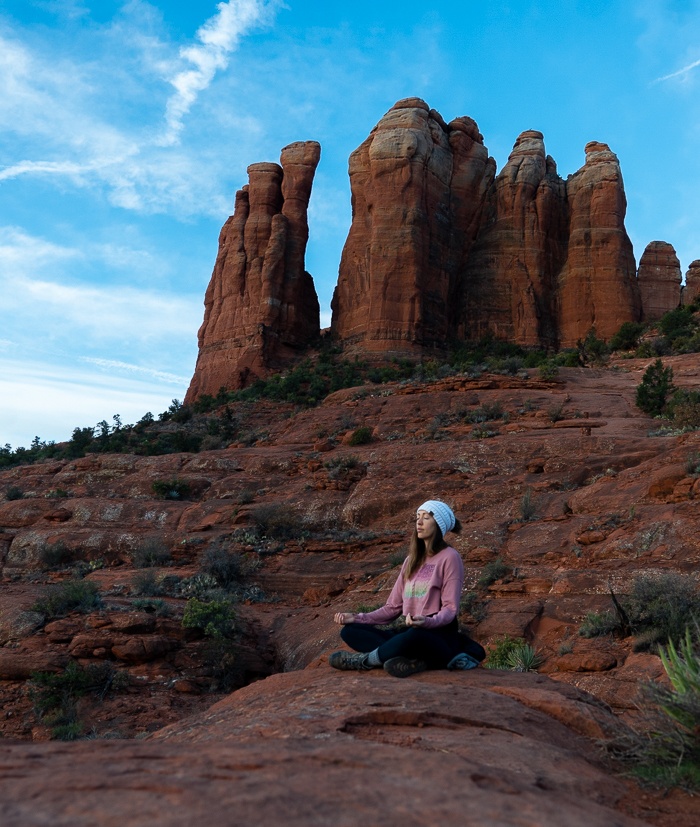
(419, 550)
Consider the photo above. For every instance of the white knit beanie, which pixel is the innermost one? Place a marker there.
(442, 513)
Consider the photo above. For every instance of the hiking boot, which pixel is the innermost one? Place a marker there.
(403, 667)
(349, 660)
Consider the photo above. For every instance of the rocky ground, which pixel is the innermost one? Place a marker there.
(565, 482)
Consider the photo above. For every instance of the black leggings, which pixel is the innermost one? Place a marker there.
(436, 646)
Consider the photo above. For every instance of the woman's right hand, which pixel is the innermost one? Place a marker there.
(344, 617)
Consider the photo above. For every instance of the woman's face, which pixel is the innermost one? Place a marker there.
(425, 525)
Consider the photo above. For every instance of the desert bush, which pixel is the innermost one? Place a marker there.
(60, 599)
(277, 521)
(660, 606)
(627, 337)
(655, 388)
(361, 436)
(151, 553)
(597, 624)
(664, 749)
(501, 651)
(528, 509)
(13, 492)
(472, 604)
(172, 489)
(214, 618)
(57, 555)
(493, 571)
(54, 695)
(226, 567)
(683, 409)
(656, 610)
(548, 370)
(147, 584)
(555, 412)
(692, 464)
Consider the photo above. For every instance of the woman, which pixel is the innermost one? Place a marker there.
(427, 592)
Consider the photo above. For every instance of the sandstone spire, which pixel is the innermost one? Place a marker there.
(597, 286)
(659, 279)
(261, 305)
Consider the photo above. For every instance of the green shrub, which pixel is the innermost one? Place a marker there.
(528, 509)
(147, 584)
(13, 493)
(54, 694)
(361, 436)
(277, 521)
(597, 624)
(655, 388)
(503, 649)
(548, 370)
(60, 599)
(214, 618)
(173, 489)
(665, 751)
(660, 606)
(57, 555)
(627, 337)
(151, 553)
(493, 571)
(223, 565)
(683, 409)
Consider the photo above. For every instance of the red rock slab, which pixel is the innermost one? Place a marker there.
(322, 747)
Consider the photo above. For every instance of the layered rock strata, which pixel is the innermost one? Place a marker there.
(659, 279)
(597, 287)
(417, 186)
(261, 304)
(440, 249)
(691, 289)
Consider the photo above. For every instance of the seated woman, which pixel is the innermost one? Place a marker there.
(427, 591)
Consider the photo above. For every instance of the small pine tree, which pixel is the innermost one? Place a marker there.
(655, 388)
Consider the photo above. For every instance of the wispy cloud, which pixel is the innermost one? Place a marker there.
(127, 367)
(217, 39)
(680, 73)
(47, 92)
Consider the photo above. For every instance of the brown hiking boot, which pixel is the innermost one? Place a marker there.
(349, 660)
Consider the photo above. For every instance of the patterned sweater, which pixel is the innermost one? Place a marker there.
(433, 592)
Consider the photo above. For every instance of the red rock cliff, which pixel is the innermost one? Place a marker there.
(597, 286)
(410, 179)
(261, 305)
(659, 279)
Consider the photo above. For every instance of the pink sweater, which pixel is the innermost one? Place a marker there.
(433, 592)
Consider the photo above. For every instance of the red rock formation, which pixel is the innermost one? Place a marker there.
(659, 279)
(597, 286)
(510, 276)
(440, 251)
(409, 180)
(691, 289)
(261, 305)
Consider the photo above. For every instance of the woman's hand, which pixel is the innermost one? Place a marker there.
(415, 620)
(344, 617)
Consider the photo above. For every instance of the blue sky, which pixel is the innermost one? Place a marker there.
(127, 127)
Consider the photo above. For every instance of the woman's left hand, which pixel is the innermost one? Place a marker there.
(415, 620)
